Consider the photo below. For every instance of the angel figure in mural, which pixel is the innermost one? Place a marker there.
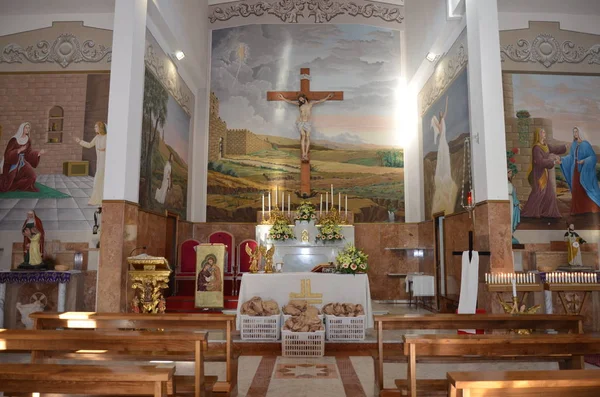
(444, 195)
(17, 167)
(167, 182)
(579, 169)
(542, 201)
(99, 142)
(303, 122)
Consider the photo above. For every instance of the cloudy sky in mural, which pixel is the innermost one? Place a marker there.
(567, 100)
(251, 60)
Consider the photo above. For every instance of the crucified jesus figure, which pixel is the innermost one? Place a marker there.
(303, 122)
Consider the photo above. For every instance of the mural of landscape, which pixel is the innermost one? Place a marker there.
(558, 103)
(445, 127)
(165, 140)
(254, 144)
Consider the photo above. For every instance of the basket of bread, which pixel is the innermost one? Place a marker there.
(303, 333)
(344, 321)
(260, 319)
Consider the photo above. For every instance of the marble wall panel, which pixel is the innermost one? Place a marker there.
(152, 233)
(90, 279)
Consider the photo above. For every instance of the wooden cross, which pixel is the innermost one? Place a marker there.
(312, 96)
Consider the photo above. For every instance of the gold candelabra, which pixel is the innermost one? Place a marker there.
(514, 308)
(274, 216)
(333, 216)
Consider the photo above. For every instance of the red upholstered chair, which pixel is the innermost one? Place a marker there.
(227, 239)
(186, 276)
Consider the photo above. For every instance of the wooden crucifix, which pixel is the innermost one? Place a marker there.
(305, 99)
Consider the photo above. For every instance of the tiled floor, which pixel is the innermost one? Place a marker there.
(72, 213)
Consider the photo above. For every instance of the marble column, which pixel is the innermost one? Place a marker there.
(121, 189)
(486, 101)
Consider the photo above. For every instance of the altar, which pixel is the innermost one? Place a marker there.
(317, 289)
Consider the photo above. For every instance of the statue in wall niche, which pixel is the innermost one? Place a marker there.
(574, 243)
(33, 243)
(99, 142)
(17, 167)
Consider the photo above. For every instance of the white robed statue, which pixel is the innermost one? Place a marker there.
(574, 243)
(444, 195)
(167, 182)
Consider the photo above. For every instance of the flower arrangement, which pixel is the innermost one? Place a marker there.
(306, 212)
(329, 231)
(351, 260)
(281, 231)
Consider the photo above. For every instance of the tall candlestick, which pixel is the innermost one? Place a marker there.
(263, 206)
(276, 195)
(332, 194)
(340, 201)
(326, 202)
(269, 203)
(514, 285)
(321, 205)
(346, 206)
(289, 206)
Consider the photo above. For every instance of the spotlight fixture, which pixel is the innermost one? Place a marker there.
(179, 55)
(431, 57)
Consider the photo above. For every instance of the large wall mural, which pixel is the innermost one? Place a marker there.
(165, 134)
(254, 144)
(445, 127)
(553, 144)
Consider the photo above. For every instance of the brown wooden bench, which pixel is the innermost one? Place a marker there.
(168, 321)
(567, 349)
(79, 345)
(85, 379)
(580, 383)
(487, 322)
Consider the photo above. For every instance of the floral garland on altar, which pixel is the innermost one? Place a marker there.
(306, 211)
(281, 231)
(351, 260)
(329, 231)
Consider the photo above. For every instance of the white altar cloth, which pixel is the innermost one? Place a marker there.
(342, 288)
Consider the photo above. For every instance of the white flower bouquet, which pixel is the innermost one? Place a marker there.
(351, 260)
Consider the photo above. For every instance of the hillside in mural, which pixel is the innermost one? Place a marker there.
(254, 144)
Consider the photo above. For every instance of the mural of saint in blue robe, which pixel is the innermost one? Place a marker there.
(579, 169)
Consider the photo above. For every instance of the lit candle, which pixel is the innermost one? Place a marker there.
(289, 205)
(514, 285)
(326, 202)
(332, 194)
(321, 205)
(470, 197)
(346, 206)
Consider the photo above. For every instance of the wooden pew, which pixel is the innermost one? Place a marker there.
(98, 343)
(568, 348)
(168, 321)
(488, 322)
(85, 379)
(580, 383)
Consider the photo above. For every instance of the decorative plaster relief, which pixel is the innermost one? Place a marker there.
(449, 68)
(65, 49)
(166, 72)
(289, 11)
(546, 50)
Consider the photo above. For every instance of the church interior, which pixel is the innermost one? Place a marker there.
(273, 198)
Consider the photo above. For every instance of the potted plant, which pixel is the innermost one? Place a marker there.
(351, 260)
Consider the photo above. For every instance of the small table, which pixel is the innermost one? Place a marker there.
(419, 285)
(26, 277)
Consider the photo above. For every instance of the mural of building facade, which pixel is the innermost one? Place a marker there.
(444, 109)
(165, 134)
(254, 144)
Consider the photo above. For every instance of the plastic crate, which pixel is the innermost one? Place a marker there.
(260, 328)
(302, 344)
(345, 328)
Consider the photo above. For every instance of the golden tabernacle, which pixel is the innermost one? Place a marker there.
(149, 276)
